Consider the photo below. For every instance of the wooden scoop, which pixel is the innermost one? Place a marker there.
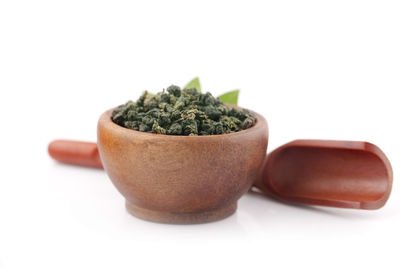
(346, 174)
(328, 173)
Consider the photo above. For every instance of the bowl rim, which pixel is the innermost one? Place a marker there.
(261, 122)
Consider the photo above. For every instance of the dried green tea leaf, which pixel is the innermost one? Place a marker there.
(230, 97)
(150, 94)
(182, 112)
(195, 83)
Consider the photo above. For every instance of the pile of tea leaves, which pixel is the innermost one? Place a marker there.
(182, 112)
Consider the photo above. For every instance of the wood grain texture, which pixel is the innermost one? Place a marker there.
(192, 179)
(346, 174)
(181, 179)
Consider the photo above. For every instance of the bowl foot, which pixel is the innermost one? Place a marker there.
(181, 217)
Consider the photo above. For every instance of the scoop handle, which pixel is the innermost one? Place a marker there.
(75, 153)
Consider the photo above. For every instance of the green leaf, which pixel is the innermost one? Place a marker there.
(230, 97)
(150, 94)
(195, 83)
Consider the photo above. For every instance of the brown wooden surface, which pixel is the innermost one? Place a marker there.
(76, 153)
(167, 178)
(346, 174)
(194, 178)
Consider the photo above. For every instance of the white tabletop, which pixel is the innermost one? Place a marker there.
(313, 69)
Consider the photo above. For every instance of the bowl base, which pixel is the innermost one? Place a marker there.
(181, 217)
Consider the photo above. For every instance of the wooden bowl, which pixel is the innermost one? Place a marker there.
(181, 179)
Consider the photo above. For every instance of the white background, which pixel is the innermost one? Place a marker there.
(314, 69)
